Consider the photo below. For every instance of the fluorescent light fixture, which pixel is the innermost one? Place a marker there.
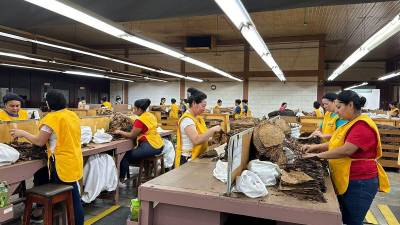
(75, 14)
(355, 86)
(114, 78)
(126, 74)
(375, 40)
(29, 67)
(171, 73)
(390, 75)
(19, 56)
(153, 79)
(152, 45)
(82, 73)
(14, 36)
(134, 64)
(193, 79)
(239, 16)
(78, 66)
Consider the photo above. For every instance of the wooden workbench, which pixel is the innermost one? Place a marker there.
(191, 195)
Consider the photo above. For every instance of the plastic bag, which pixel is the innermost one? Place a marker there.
(8, 155)
(169, 154)
(101, 137)
(266, 171)
(221, 171)
(86, 134)
(251, 185)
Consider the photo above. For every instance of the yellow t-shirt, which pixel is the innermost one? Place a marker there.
(22, 115)
(107, 105)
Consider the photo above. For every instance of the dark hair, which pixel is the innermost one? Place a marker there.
(348, 96)
(238, 101)
(11, 97)
(82, 98)
(163, 99)
(219, 101)
(195, 95)
(142, 104)
(316, 105)
(283, 103)
(56, 100)
(118, 97)
(185, 100)
(330, 96)
(104, 99)
(393, 103)
(245, 101)
(173, 100)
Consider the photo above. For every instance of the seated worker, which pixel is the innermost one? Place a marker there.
(394, 111)
(283, 107)
(174, 112)
(105, 103)
(82, 103)
(237, 110)
(60, 131)
(144, 131)
(192, 134)
(12, 108)
(317, 110)
(217, 108)
(245, 109)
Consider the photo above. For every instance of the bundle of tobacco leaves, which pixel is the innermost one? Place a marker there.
(119, 121)
(28, 151)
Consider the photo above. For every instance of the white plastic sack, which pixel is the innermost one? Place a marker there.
(169, 153)
(99, 174)
(251, 185)
(221, 171)
(8, 155)
(101, 137)
(86, 134)
(266, 171)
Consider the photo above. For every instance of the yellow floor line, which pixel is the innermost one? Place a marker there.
(388, 214)
(100, 216)
(370, 218)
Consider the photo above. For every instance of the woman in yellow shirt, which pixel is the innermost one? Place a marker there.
(60, 131)
(12, 108)
(217, 108)
(353, 152)
(174, 111)
(105, 103)
(144, 132)
(192, 133)
(317, 110)
(394, 111)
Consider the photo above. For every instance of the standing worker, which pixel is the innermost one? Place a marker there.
(12, 108)
(60, 131)
(317, 110)
(217, 108)
(353, 153)
(174, 111)
(144, 131)
(105, 103)
(245, 109)
(192, 133)
(237, 110)
(331, 120)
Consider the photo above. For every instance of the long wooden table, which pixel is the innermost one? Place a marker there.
(191, 195)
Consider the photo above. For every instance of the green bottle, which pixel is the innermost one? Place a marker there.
(3, 194)
(135, 207)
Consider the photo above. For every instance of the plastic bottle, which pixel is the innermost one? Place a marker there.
(3, 194)
(135, 207)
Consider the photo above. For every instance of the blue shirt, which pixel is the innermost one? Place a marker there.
(237, 110)
(339, 122)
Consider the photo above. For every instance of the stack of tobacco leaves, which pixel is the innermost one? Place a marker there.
(28, 151)
(243, 123)
(103, 112)
(119, 121)
(306, 139)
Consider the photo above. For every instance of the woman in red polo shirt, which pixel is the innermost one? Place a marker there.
(352, 152)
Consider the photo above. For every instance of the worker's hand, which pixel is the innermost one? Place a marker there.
(308, 148)
(310, 155)
(119, 132)
(317, 134)
(16, 133)
(216, 128)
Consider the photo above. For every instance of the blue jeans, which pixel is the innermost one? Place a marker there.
(76, 197)
(355, 202)
(184, 159)
(143, 150)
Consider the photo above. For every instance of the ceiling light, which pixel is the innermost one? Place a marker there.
(239, 16)
(29, 67)
(171, 73)
(390, 75)
(355, 86)
(19, 56)
(78, 66)
(152, 45)
(82, 73)
(75, 14)
(134, 64)
(114, 78)
(193, 79)
(126, 74)
(153, 79)
(375, 40)
(14, 36)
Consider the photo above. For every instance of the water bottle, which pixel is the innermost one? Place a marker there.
(3, 194)
(135, 207)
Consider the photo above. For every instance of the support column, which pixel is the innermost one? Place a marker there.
(125, 87)
(246, 68)
(182, 87)
(321, 69)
